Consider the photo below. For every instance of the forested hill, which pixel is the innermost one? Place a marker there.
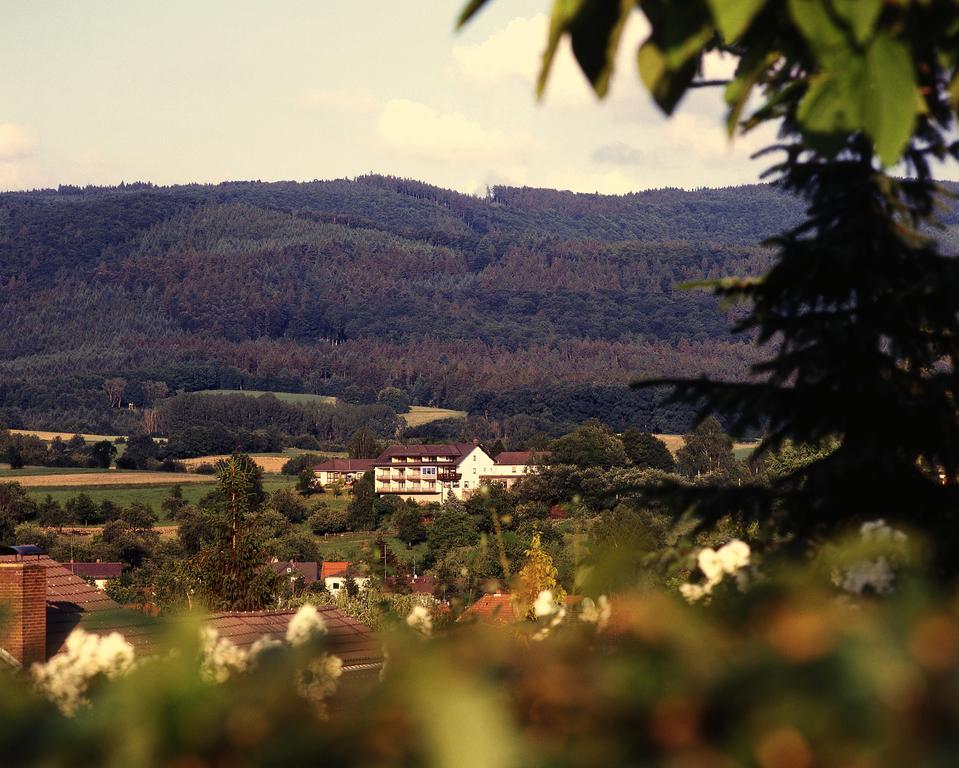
(346, 287)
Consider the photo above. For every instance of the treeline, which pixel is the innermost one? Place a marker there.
(349, 287)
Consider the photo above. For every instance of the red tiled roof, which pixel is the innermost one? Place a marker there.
(307, 570)
(520, 457)
(95, 570)
(457, 451)
(345, 465)
(493, 609)
(334, 568)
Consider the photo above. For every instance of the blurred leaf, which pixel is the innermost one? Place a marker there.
(733, 16)
(861, 16)
(472, 8)
(563, 11)
(666, 86)
(738, 91)
(888, 97)
(818, 26)
(669, 59)
(594, 27)
(595, 31)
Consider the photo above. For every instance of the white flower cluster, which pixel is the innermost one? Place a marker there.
(547, 607)
(878, 531)
(319, 679)
(221, 658)
(306, 623)
(597, 613)
(876, 576)
(64, 679)
(419, 619)
(729, 559)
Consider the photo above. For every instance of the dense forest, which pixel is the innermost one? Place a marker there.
(503, 305)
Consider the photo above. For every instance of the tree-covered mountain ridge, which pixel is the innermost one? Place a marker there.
(369, 283)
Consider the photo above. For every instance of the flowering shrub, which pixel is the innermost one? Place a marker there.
(66, 677)
(715, 565)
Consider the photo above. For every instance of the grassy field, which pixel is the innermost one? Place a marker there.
(423, 414)
(48, 436)
(13, 474)
(290, 397)
(741, 450)
(150, 495)
(106, 478)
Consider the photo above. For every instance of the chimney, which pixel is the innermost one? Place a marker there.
(23, 602)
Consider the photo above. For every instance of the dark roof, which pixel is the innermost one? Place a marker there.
(417, 585)
(519, 457)
(345, 465)
(72, 601)
(95, 570)
(308, 570)
(346, 637)
(453, 450)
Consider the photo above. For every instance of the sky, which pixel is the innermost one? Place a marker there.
(104, 91)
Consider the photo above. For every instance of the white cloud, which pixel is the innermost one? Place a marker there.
(339, 99)
(17, 141)
(413, 126)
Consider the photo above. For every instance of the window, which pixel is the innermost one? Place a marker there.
(466, 483)
(474, 470)
(428, 471)
(336, 585)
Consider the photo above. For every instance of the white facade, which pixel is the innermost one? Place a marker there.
(414, 472)
(336, 584)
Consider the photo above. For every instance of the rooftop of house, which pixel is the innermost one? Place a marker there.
(417, 585)
(519, 457)
(97, 570)
(493, 609)
(334, 568)
(306, 570)
(455, 451)
(72, 602)
(345, 465)
(498, 608)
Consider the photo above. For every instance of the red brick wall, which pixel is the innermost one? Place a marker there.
(23, 602)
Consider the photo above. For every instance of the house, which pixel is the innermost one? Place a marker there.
(510, 466)
(44, 602)
(500, 608)
(307, 572)
(413, 585)
(344, 471)
(335, 574)
(428, 473)
(99, 572)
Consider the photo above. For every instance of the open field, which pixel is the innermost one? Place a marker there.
(675, 442)
(290, 397)
(7, 474)
(271, 464)
(124, 495)
(107, 478)
(43, 435)
(423, 414)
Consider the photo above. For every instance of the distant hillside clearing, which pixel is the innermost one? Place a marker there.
(289, 397)
(48, 436)
(424, 414)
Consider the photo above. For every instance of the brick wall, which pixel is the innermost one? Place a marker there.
(23, 611)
